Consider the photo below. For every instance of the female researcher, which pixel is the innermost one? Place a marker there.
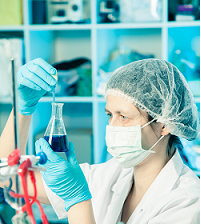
(149, 104)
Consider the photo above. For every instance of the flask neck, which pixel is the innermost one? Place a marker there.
(57, 110)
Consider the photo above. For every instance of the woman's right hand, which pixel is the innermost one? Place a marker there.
(33, 81)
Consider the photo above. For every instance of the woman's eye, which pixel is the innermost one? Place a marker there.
(123, 117)
(109, 115)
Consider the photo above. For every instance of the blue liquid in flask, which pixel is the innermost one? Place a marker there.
(59, 143)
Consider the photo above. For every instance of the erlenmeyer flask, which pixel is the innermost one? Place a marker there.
(55, 133)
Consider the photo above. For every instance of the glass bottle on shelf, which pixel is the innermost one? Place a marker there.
(55, 133)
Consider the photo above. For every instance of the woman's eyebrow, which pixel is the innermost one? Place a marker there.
(106, 110)
(117, 112)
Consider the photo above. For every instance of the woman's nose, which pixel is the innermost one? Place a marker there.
(114, 121)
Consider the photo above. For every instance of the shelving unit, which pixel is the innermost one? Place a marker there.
(95, 41)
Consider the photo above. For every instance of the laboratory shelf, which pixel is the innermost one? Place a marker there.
(65, 99)
(6, 101)
(197, 99)
(129, 25)
(12, 28)
(60, 27)
(96, 41)
(101, 99)
(183, 23)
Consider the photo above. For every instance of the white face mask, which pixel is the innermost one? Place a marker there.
(124, 144)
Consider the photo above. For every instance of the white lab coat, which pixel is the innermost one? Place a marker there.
(173, 197)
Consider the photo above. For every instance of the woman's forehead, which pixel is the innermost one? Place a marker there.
(116, 104)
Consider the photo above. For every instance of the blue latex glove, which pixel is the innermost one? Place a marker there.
(33, 80)
(65, 179)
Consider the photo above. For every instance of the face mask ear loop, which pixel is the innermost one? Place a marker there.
(156, 143)
(148, 123)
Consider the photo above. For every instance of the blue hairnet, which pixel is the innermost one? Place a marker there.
(158, 87)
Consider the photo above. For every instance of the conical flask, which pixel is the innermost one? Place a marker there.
(55, 133)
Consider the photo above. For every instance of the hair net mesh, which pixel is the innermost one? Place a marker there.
(158, 87)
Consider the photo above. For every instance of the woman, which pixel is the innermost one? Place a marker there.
(149, 104)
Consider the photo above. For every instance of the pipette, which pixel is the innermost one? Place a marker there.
(53, 89)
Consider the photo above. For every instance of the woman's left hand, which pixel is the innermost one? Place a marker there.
(65, 179)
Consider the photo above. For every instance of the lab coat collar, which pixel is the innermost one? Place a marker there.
(126, 179)
(164, 182)
(121, 189)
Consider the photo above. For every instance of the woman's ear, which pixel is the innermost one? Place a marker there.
(164, 131)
